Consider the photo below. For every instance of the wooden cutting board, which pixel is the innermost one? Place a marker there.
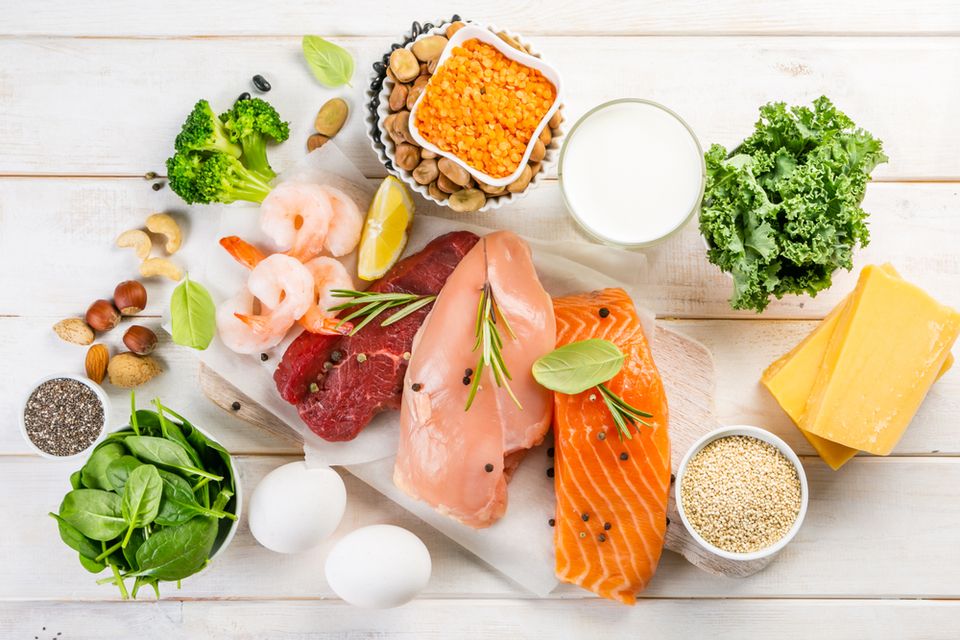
(686, 367)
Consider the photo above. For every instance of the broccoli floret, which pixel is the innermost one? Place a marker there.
(217, 177)
(250, 123)
(203, 131)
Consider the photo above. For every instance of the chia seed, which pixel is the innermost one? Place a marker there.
(63, 417)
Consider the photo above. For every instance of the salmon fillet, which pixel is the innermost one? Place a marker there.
(459, 461)
(599, 481)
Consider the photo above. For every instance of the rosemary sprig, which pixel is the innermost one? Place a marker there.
(623, 413)
(371, 304)
(490, 344)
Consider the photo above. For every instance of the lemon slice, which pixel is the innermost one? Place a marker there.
(385, 230)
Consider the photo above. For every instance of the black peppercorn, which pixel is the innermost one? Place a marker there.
(668, 521)
(261, 83)
(416, 386)
(624, 456)
(604, 312)
(606, 526)
(264, 357)
(550, 452)
(468, 372)
(235, 406)
(157, 186)
(550, 472)
(466, 380)
(551, 522)
(602, 538)
(488, 467)
(602, 435)
(585, 517)
(673, 478)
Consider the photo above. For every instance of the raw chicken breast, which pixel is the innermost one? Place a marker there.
(460, 461)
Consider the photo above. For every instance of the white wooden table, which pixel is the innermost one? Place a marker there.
(91, 96)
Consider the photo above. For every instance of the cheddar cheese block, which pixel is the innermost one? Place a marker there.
(890, 342)
(791, 377)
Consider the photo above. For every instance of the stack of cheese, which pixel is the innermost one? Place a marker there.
(855, 383)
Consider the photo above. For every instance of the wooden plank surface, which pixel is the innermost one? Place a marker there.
(64, 230)
(370, 17)
(855, 519)
(114, 106)
(487, 619)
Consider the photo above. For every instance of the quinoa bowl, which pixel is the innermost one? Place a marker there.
(741, 493)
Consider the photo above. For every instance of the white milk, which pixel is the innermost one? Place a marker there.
(631, 172)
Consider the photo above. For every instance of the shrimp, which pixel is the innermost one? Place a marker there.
(285, 287)
(327, 274)
(346, 225)
(296, 216)
(234, 333)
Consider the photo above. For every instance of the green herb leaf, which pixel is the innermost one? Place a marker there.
(141, 498)
(96, 514)
(578, 366)
(192, 315)
(179, 504)
(165, 453)
(94, 472)
(331, 64)
(489, 343)
(74, 538)
(119, 470)
(174, 553)
(91, 565)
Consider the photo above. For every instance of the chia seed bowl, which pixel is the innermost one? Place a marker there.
(55, 437)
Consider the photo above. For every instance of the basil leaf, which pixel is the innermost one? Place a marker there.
(192, 315)
(173, 553)
(73, 538)
(141, 498)
(94, 473)
(165, 453)
(91, 565)
(331, 64)
(578, 366)
(96, 514)
(119, 470)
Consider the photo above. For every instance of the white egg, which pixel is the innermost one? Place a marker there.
(378, 567)
(295, 507)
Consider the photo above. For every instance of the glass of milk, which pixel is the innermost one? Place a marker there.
(631, 172)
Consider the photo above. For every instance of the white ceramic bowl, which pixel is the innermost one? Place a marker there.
(485, 35)
(759, 434)
(93, 386)
(385, 149)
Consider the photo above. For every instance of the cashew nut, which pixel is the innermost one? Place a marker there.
(160, 267)
(166, 226)
(138, 240)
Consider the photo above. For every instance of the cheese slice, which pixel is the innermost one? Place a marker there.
(791, 377)
(890, 342)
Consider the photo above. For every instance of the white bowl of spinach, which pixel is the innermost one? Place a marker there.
(155, 502)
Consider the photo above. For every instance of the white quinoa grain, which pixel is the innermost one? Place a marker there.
(741, 494)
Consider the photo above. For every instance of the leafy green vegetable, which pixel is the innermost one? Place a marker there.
(578, 366)
(119, 470)
(94, 473)
(141, 498)
(174, 553)
(178, 504)
(96, 514)
(76, 479)
(192, 315)
(332, 65)
(91, 565)
(165, 453)
(74, 538)
(781, 212)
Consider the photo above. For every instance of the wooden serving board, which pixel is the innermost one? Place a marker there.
(686, 367)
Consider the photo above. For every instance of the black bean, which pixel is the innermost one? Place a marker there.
(395, 46)
(428, 26)
(416, 29)
(235, 406)
(261, 83)
(455, 18)
(243, 96)
(379, 67)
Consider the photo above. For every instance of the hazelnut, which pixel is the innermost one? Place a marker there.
(130, 297)
(140, 340)
(102, 316)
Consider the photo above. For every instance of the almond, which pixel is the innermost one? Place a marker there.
(96, 363)
(74, 330)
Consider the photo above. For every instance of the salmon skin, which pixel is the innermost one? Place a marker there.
(609, 481)
(455, 460)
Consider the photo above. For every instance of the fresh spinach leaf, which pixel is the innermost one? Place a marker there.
(130, 551)
(141, 498)
(94, 473)
(165, 453)
(119, 470)
(179, 504)
(91, 565)
(174, 553)
(96, 514)
(76, 481)
(74, 538)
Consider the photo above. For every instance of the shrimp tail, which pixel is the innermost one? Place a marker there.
(324, 325)
(242, 251)
(259, 324)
